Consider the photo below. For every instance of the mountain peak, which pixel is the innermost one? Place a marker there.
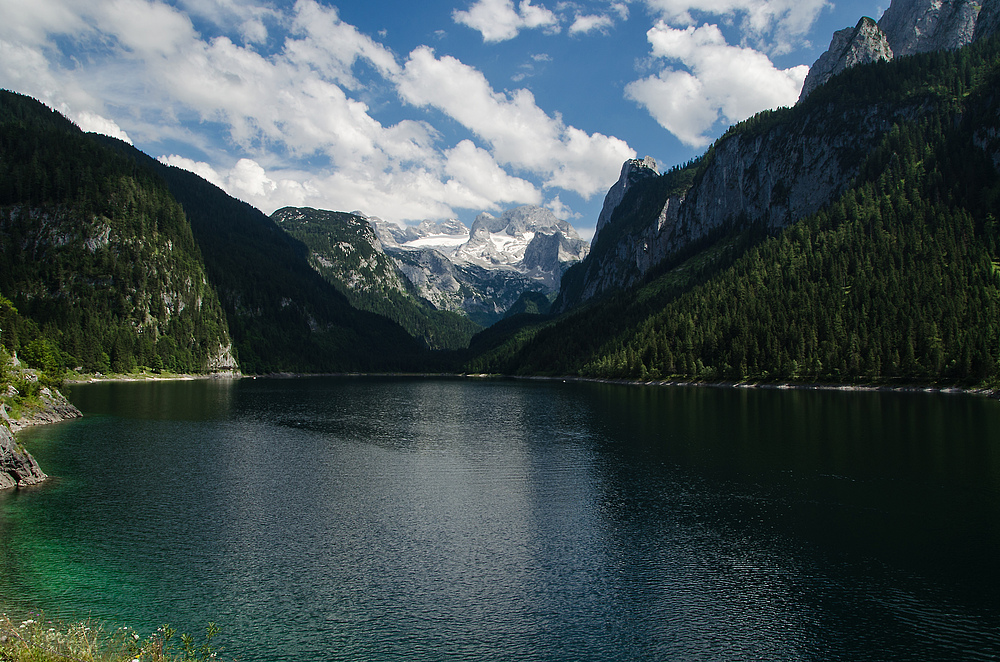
(907, 27)
(633, 171)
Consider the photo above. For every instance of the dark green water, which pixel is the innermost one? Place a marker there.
(405, 519)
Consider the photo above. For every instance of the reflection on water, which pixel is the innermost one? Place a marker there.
(375, 519)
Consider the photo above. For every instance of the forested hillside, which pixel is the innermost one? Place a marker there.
(283, 316)
(895, 281)
(98, 265)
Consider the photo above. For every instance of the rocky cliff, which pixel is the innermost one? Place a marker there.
(779, 166)
(17, 467)
(907, 27)
(850, 47)
(633, 171)
(766, 173)
(988, 22)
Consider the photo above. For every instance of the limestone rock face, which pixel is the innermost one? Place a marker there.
(907, 27)
(17, 468)
(765, 179)
(988, 22)
(850, 47)
(633, 170)
(920, 26)
(483, 271)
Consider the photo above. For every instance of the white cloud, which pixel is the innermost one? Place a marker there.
(590, 23)
(474, 168)
(786, 21)
(520, 133)
(249, 178)
(497, 20)
(723, 81)
(97, 124)
(285, 124)
(200, 168)
(561, 211)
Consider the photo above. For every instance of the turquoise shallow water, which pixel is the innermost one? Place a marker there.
(446, 519)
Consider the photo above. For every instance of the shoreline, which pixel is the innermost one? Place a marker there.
(18, 468)
(777, 386)
(148, 377)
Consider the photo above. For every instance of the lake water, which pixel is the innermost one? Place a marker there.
(447, 519)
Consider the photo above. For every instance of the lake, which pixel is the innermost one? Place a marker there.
(450, 519)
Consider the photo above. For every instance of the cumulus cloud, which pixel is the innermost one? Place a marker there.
(785, 21)
(720, 81)
(519, 132)
(97, 124)
(474, 169)
(498, 20)
(200, 168)
(288, 123)
(591, 23)
(561, 211)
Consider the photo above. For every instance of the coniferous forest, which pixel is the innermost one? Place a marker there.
(895, 282)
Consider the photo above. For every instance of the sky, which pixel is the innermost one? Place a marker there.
(416, 110)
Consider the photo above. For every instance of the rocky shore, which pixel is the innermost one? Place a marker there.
(17, 467)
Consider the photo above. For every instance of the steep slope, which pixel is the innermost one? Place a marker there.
(894, 280)
(283, 316)
(343, 248)
(633, 172)
(768, 172)
(97, 255)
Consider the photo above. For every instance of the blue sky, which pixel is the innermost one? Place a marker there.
(416, 110)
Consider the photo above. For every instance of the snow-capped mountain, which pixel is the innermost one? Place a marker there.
(528, 240)
(480, 272)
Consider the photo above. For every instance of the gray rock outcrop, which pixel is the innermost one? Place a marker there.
(850, 47)
(921, 26)
(633, 170)
(17, 467)
(907, 27)
(988, 22)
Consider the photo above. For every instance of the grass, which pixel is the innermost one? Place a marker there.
(37, 640)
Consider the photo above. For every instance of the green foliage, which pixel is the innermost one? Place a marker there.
(530, 303)
(37, 640)
(95, 254)
(283, 316)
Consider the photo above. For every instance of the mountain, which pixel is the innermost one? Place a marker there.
(344, 249)
(283, 316)
(852, 238)
(482, 271)
(112, 261)
(779, 166)
(633, 171)
(906, 28)
(97, 257)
